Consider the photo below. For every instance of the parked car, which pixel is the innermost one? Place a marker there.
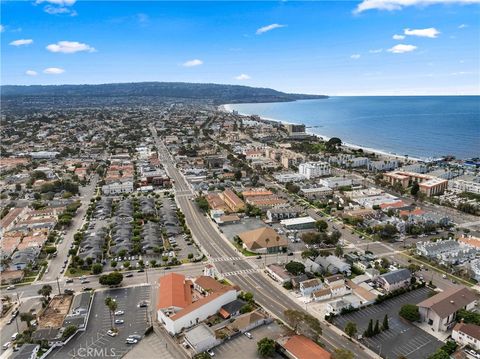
(69, 280)
(11, 287)
(112, 333)
(211, 352)
(135, 336)
(14, 336)
(131, 341)
(6, 345)
(128, 275)
(119, 321)
(248, 335)
(119, 312)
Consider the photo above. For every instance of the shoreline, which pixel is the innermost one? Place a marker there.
(226, 108)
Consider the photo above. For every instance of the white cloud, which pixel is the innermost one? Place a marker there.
(398, 37)
(53, 71)
(31, 73)
(267, 28)
(242, 77)
(59, 10)
(69, 47)
(21, 42)
(462, 26)
(401, 48)
(58, 2)
(391, 5)
(375, 51)
(192, 63)
(355, 56)
(2, 28)
(430, 32)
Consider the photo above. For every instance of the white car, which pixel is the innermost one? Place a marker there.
(131, 341)
(112, 333)
(248, 335)
(6, 345)
(119, 312)
(119, 321)
(211, 352)
(10, 287)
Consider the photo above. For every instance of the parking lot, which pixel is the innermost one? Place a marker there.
(243, 347)
(402, 338)
(95, 342)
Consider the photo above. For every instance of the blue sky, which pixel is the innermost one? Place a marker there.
(330, 47)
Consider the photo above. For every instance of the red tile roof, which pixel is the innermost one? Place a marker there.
(174, 291)
(301, 347)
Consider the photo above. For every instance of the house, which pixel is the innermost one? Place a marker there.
(117, 187)
(308, 286)
(201, 338)
(231, 309)
(249, 321)
(333, 264)
(440, 311)
(301, 347)
(467, 334)
(179, 306)
(334, 280)
(207, 285)
(263, 240)
(396, 279)
(311, 266)
(21, 259)
(278, 273)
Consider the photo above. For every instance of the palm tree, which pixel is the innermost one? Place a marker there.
(45, 291)
(112, 307)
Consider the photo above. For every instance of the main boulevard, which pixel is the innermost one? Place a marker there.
(240, 272)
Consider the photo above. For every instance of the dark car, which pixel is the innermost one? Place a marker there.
(290, 254)
(167, 268)
(87, 289)
(69, 291)
(128, 275)
(141, 270)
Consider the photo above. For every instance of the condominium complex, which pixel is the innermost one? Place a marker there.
(314, 169)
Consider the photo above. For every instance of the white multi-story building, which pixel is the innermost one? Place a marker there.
(467, 334)
(335, 182)
(466, 186)
(314, 169)
(382, 165)
(118, 188)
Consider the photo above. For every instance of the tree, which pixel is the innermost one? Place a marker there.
(112, 307)
(338, 251)
(113, 264)
(50, 250)
(266, 347)
(303, 323)
(321, 225)
(410, 312)
(27, 317)
(295, 268)
(439, 354)
(415, 188)
(385, 325)
(342, 354)
(97, 268)
(333, 143)
(114, 278)
(248, 296)
(202, 203)
(351, 329)
(45, 291)
(369, 331)
(468, 316)
(376, 329)
(68, 332)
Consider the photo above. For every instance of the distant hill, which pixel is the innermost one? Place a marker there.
(215, 93)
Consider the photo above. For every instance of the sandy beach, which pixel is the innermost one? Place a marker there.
(383, 154)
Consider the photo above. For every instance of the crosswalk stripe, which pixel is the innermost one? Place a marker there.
(243, 271)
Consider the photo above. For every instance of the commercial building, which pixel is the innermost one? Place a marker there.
(335, 182)
(462, 185)
(316, 192)
(117, 188)
(314, 169)
(180, 306)
(279, 213)
(233, 202)
(278, 273)
(298, 223)
(263, 240)
(300, 347)
(429, 185)
(394, 280)
(440, 311)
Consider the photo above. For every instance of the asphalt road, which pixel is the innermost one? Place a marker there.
(55, 265)
(241, 273)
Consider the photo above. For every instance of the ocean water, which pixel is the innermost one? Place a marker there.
(418, 126)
